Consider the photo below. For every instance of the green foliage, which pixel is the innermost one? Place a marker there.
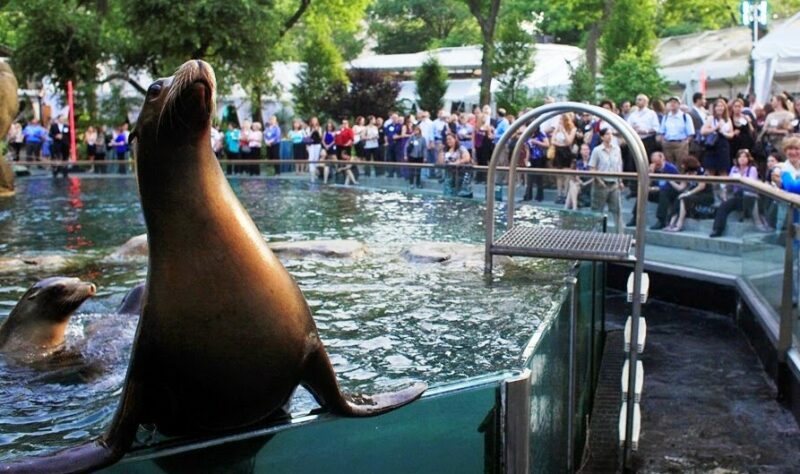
(431, 85)
(583, 86)
(630, 27)
(59, 39)
(222, 32)
(565, 20)
(407, 26)
(513, 99)
(513, 61)
(371, 93)
(342, 20)
(322, 81)
(114, 108)
(633, 74)
(10, 19)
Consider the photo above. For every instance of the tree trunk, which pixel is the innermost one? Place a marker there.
(255, 100)
(486, 71)
(608, 6)
(591, 48)
(487, 20)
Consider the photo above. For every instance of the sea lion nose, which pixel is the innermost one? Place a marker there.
(92, 289)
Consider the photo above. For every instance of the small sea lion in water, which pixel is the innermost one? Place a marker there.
(35, 328)
(132, 302)
(225, 335)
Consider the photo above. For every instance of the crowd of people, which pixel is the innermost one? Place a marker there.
(737, 137)
(34, 142)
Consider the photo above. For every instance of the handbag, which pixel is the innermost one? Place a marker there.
(551, 152)
(710, 140)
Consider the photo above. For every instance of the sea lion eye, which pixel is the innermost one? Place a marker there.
(154, 89)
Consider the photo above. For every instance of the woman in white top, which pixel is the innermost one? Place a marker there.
(454, 156)
(370, 137)
(778, 124)
(563, 138)
(244, 148)
(314, 145)
(255, 139)
(90, 138)
(716, 132)
(16, 139)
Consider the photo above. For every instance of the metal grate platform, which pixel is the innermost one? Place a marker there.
(531, 241)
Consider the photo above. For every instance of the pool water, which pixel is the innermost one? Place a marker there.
(383, 319)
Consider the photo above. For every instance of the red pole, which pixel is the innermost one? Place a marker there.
(73, 151)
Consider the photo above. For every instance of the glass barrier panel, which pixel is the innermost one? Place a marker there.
(549, 365)
(450, 430)
(763, 253)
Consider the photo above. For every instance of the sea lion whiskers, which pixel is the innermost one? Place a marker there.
(188, 74)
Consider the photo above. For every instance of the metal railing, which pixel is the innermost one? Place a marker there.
(786, 315)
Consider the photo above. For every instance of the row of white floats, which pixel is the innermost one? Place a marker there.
(637, 390)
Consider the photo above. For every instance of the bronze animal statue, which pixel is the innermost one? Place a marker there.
(225, 334)
(9, 106)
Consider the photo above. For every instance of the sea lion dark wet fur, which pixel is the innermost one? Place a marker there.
(35, 328)
(225, 334)
(132, 302)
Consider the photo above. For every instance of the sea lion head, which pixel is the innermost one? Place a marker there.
(177, 110)
(38, 321)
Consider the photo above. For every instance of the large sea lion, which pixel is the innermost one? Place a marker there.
(9, 105)
(225, 334)
(35, 328)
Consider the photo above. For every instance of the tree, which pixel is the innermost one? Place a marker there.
(408, 26)
(631, 74)
(322, 82)
(486, 13)
(583, 85)
(371, 93)
(342, 20)
(513, 63)
(630, 27)
(58, 39)
(431, 85)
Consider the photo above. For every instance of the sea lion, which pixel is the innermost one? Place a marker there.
(132, 302)
(9, 105)
(35, 328)
(225, 334)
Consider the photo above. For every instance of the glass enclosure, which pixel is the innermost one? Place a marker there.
(453, 428)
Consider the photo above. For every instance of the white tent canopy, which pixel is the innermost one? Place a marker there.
(775, 54)
(550, 75)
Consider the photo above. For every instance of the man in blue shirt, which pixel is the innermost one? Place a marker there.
(34, 137)
(502, 125)
(675, 131)
(272, 139)
(660, 191)
(391, 128)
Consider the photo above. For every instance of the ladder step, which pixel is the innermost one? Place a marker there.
(637, 394)
(637, 425)
(641, 338)
(644, 290)
(571, 244)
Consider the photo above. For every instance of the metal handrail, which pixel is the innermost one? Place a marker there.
(643, 182)
(752, 184)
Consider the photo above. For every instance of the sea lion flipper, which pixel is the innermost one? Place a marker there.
(320, 379)
(83, 458)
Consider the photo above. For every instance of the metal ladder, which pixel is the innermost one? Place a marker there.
(536, 241)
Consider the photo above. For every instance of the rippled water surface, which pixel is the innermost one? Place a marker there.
(384, 319)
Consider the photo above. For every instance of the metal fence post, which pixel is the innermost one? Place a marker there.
(785, 329)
